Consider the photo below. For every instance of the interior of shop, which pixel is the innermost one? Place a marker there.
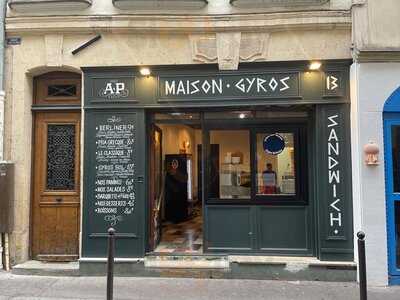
(181, 209)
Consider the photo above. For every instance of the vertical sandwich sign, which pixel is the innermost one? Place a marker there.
(333, 182)
(335, 206)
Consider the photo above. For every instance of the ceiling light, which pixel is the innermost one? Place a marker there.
(315, 65)
(145, 71)
(242, 116)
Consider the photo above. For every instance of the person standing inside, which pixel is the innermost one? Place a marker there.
(269, 180)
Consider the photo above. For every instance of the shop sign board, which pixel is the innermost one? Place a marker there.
(118, 88)
(334, 166)
(229, 86)
(334, 86)
(333, 181)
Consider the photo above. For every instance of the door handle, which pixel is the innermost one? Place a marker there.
(59, 200)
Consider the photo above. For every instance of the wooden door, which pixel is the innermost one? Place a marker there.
(156, 186)
(56, 186)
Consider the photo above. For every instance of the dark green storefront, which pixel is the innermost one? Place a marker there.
(315, 220)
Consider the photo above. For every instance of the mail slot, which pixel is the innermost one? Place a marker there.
(6, 196)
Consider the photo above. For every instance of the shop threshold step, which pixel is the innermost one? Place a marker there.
(186, 261)
(36, 267)
(289, 261)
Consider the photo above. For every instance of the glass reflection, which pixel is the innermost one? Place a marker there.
(275, 164)
(230, 164)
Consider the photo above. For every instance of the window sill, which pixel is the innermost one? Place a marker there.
(160, 4)
(275, 3)
(48, 5)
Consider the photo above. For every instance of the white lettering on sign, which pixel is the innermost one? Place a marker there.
(331, 83)
(113, 90)
(335, 211)
(114, 192)
(285, 85)
(245, 85)
(187, 87)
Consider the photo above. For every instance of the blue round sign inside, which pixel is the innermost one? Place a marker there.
(273, 144)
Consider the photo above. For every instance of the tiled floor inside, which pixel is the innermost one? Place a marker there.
(185, 237)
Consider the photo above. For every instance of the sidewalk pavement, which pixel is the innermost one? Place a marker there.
(21, 287)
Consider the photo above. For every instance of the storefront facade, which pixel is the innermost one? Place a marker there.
(292, 223)
(87, 96)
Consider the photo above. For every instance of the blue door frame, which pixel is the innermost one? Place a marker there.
(391, 120)
(391, 117)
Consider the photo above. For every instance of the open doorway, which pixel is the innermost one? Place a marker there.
(175, 188)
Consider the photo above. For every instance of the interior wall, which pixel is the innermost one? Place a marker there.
(232, 141)
(173, 138)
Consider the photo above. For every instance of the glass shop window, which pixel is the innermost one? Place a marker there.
(276, 165)
(260, 165)
(229, 164)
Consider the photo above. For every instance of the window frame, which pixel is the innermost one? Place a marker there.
(299, 131)
(43, 82)
(300, 163)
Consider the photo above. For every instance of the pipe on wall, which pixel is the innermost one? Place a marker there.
(3, 236)
(3, 8)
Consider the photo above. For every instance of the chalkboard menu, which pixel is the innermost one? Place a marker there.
(114, 177)
(114, 187)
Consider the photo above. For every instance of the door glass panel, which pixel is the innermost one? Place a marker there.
(230, 165)
(397, 231)
(60, 157)
(275, 164)
(396, 158)
(61, 90)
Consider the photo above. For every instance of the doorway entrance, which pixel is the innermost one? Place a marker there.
(56, 169)
(176, 220)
